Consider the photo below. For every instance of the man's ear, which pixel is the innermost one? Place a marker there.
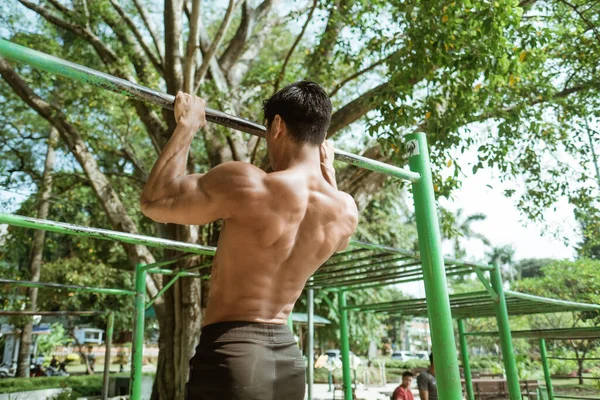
(278, 127)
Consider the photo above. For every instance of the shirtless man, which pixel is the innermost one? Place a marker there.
(278, 229)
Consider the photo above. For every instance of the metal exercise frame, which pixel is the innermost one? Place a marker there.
(494, 302)
(419, 174)
(542, 335)
(110, 323)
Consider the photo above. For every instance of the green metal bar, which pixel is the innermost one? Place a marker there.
(110, 325)
(547, 377)
(368, 270)
(69, 287)
(417, 256)
(464, 351)
(310, 300)
(552, 334)
(508, 354)
(162, 271)
(104, 234)
(331, 305)
(370, 257)
(290, 323)
(565, 303)
(138, 334)
(164, 263)
(57, 66)
(162, 291)
(345, 345)
(486, 284)
(436, 287)
(392, 282)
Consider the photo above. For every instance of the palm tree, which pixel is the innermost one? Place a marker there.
(463, 230)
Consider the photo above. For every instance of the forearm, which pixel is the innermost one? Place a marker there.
(171, 163)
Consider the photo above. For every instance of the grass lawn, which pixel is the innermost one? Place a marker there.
(85, 385)
(570, 387)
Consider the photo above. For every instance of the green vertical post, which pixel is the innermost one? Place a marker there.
(508, 353)
(138, 333)
(345, 345)
(290, 323)
(434, 272)
(464, 351)
(310, 299)
(110, 325)
(547, 378)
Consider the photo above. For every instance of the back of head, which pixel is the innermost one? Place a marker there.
(305, 108)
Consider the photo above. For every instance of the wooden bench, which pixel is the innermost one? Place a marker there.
(488, 389)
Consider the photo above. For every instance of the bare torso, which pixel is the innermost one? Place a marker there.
(267, 252)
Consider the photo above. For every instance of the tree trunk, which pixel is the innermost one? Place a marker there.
(37, 248)
(580, 369)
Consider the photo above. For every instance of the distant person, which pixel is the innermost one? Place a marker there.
(426, 382)
(403, 392)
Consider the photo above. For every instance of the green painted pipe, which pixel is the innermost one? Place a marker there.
(345, 345)
(464, 352)
(162, 291)
(104, 234)
(69, 287)
(547, 377)
(508, 353)
(434, 274)
(110, 325)
(57, 66)
(138, 334)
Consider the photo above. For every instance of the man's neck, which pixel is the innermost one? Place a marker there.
(293, 155)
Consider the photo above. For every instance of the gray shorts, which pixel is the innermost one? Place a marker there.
(246, 361)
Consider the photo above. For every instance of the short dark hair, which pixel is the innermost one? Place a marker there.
(408, 373)
(305, 108)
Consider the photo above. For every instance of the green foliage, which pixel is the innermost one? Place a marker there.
(406, 365)
(58, 337)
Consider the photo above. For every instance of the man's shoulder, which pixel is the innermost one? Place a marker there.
(239, 168)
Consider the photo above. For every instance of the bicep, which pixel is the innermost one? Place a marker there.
(203, 198)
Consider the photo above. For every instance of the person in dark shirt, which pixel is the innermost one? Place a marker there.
(426, 382)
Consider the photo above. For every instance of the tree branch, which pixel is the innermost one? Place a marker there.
(115, 210)
(173, 27)
(61, 8)
(356, 108)
(208, 55)
(158, 43)
(357, 74)
(192, 45)
(584, 19)
(106, 54)
(250, 17)
(289, 54)
(138, 35)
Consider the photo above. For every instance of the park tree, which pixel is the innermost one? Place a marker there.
(572, 281)
(524, 70)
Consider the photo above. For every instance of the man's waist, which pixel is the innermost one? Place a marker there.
(229, 330)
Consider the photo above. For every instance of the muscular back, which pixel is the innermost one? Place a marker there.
(285, 225)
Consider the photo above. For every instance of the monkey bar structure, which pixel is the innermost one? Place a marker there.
(110, 323)
(494, 302)
(542, 335)
(363, 266)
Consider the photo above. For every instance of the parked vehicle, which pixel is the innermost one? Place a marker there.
(8, 370)
(402, 355)
(421, 355)
(58, 369)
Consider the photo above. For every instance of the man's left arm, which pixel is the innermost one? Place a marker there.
(170, 196)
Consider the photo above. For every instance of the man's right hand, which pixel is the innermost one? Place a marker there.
(190, 110)
(327, 155)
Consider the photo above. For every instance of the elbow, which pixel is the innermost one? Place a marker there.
(149, 209)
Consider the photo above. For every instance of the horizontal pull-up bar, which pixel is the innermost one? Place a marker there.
(67, 69)
(69, 287)
(104, 234)
(9, 313)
